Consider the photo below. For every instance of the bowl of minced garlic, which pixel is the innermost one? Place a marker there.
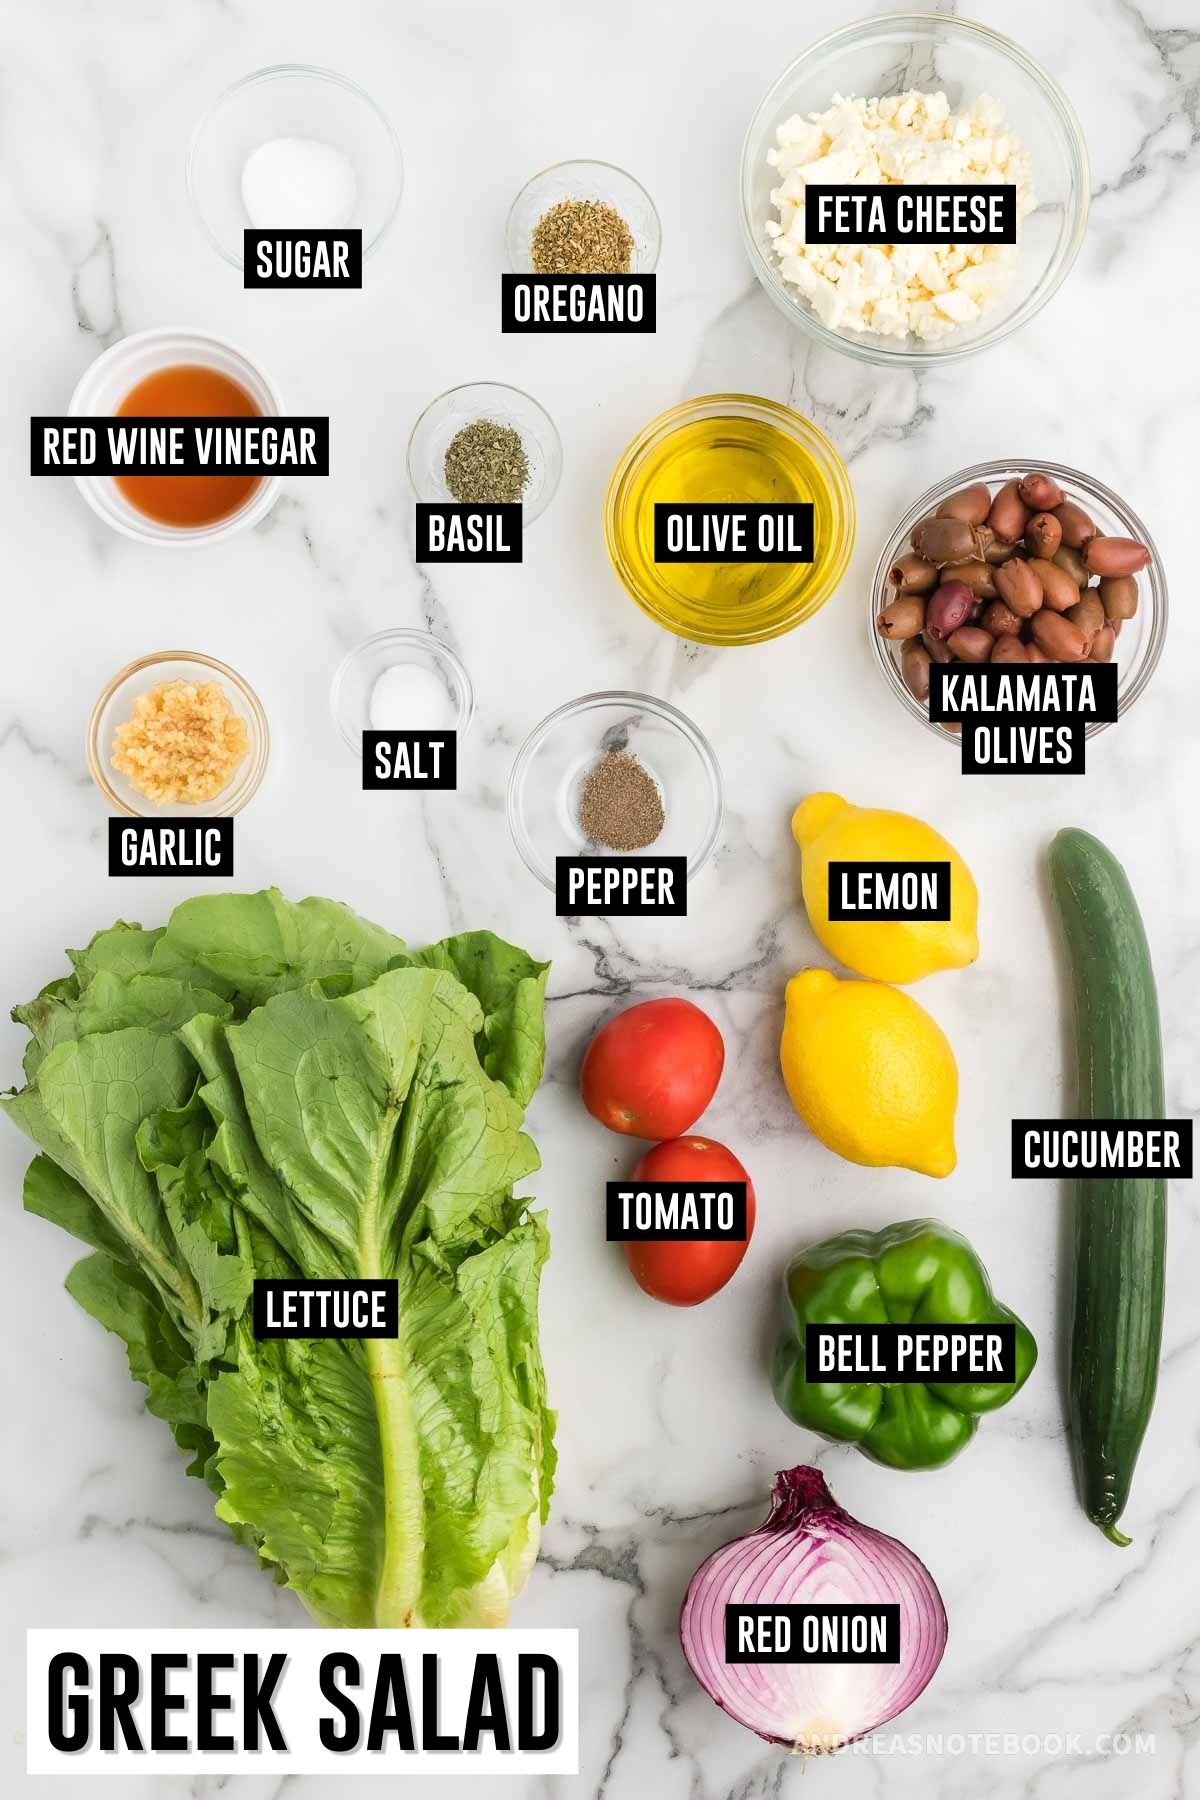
(178, 729)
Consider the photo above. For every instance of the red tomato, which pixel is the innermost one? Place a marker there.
(652, 1070)
(686, 1274)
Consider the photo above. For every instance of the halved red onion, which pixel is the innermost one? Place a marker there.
(810, 1550)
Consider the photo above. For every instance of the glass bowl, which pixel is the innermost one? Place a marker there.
(584, 181)
(930, 51)
(353, 684)
(444, 417)
(803, 588)
(115, 706)
(1140, 644)
(291, 100)
(559, 754)
(107, 382)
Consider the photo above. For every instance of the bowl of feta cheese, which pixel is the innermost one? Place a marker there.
(925, 104)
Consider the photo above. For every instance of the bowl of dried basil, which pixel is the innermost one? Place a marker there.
(485, 443)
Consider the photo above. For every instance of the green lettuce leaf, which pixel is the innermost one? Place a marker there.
(511, 989)
(257, 945)
(425, 1455)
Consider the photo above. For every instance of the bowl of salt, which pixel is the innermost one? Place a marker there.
(400, 681)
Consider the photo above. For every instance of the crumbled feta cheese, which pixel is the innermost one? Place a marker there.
(895, 290)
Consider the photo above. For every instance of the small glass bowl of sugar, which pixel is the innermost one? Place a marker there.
(294, 147)
(400, 681)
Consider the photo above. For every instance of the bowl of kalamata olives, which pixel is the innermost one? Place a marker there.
(1017, 562)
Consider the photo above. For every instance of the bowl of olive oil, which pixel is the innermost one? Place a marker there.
(729, 449)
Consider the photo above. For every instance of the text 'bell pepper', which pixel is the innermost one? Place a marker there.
(916, 1272)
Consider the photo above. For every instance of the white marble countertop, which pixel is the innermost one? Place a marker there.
(668, 1435)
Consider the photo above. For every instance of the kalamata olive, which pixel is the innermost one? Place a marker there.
(1088, 615)
(1040, 491)
(1008, 649)
(1008, 514)
(904, 618)
(1043, 535)
(1000, 620)
(936, 647)
(1077, 527)
(1019, 587)
(1070, 560)
(945, 540)
(914, 667)
(1115, 555)
(950, 606)
(911, 574)
(1033, 654)
(978, 575)
(1058, 590)
(972, 504)
(970, 643)
(1119, 597)
(1061, 641)
(1103, 645)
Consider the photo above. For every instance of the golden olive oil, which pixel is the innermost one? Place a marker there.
(739, 457)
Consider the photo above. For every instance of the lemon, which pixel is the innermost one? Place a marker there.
(870, 1073)
(828, 828)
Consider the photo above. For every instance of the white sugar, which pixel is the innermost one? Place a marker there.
(298, 182)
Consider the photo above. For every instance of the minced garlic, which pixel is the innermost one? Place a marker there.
(183, 743)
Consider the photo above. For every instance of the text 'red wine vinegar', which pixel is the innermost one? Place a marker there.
(187, 390)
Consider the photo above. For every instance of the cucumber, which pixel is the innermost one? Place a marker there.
(1120, 1221)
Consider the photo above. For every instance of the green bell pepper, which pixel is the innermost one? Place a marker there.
(918, 1271)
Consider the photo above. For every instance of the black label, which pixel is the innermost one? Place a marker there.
(1036, 747)
(880, 212)
(629, 887)
(577, 303)
(699, 532)
(325, 1309)
(910, 1353)
(675, 1213)
(872, 891)
(1037, 692)
(1095, 1149)
(301, 259)
(478, 533)
(402, 760)
(1023, 719)
(178, 445)
(170, 846)
(825, 1632)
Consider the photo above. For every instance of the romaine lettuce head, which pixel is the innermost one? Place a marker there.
(262, 1089)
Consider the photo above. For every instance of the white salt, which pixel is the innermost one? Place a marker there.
(298, 182)
(407, 697)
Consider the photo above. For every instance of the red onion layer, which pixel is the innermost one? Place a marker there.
(809, 1551)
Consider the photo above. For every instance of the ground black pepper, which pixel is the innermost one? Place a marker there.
(620, 806)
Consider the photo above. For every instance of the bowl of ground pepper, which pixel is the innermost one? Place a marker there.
(614, 773)
(583, 218)
(484, 443)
